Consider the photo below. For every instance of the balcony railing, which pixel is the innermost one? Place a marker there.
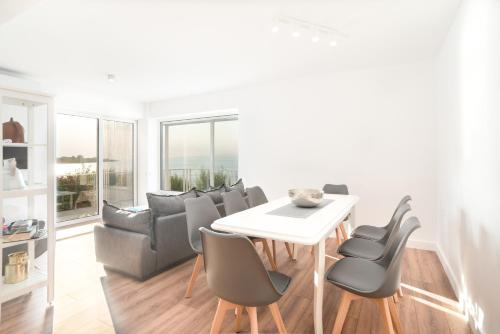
(183, 179)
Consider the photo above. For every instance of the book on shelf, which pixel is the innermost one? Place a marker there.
(20, 230)
(18, 235)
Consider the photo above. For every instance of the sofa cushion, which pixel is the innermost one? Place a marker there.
(238, 186)
(215, 194)
(130, 220)
(165, 205)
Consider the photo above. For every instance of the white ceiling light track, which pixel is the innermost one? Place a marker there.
(315, 32)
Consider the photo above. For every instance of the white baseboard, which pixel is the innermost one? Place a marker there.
(420, 244)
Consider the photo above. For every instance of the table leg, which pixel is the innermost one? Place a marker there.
(294, 252)
(319, 280)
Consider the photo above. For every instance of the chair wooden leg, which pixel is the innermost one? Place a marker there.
(312, 250)
(273, 242)
(254, 325)
(386, 314)
(289, 250)
(344, 233)
(337, 233)
(196, 270)
(239, 313)
(268, 253)
(275, 311)
(219, 316)
(400, 292)
(395, 298)
(345, 302)
(393, 308)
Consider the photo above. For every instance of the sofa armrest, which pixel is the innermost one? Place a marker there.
(124, 251)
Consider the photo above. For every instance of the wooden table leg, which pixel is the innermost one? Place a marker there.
(319, 280)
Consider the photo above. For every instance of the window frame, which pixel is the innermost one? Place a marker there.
(164, 141)
(100, 163)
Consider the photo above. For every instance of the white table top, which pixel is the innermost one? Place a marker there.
(257, 222)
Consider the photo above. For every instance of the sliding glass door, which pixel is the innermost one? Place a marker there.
(95, 161)
(118, 151)
(77, 167)
(199, 153)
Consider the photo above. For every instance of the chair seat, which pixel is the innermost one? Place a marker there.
(369, 232)
(359, 276)
(280, 281)
(363, 248)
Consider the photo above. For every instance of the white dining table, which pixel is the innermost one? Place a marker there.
(279, 220)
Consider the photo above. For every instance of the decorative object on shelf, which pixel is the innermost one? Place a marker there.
(305, 198)
(17, 269)
(12, 176)
(21, 230)
(13, 130)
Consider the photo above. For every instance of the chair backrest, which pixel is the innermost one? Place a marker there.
(392, 260)
(200, 212)
(256, 196)
(404, 200)
(337, 189)
(233, 202)
(395, 223)
(235, 272)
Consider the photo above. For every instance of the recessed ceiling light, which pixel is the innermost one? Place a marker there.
(333, 43)
(275, 29)
(315, 39)
(111, 78)
(295, 34)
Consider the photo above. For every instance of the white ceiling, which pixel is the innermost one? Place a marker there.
(164, 49)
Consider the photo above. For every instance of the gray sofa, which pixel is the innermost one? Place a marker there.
(143, 243)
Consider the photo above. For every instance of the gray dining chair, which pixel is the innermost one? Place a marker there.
(338, 189)
(234, 203)
(376, 232)
(377, 281)
(256, 196)
(371, 249)
(238, 277)
(200, 212)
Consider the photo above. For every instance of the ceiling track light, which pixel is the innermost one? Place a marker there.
(111, 78)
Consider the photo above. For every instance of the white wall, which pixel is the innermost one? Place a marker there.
(468, 107)
(372, 129)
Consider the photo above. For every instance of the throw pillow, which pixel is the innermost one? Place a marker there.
(134, 221)
(215, 194)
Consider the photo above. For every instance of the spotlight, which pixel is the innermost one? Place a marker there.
(333, 43)
(315, 39)
(275, 29)
(295, 34)
(111, 78)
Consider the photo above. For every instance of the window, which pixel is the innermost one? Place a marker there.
(199, 153)
(95, 161)
(118, 150)
(77, 167)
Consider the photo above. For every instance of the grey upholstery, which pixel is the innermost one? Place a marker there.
(233, 202)
(256, 196)
(200, 212)
(374, 279)
(126, 252)
(338, 189)
(133, 221)
(215, 194)
(375, 232)
(371, 249)
(237, 186)
(236, 273)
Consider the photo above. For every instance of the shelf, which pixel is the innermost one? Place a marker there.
(20, 242)
(36, 279)
(23, 145)
(31, 190)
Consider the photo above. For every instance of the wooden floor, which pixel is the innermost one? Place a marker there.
(90, 300)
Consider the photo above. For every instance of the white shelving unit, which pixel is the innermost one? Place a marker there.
(35, 112)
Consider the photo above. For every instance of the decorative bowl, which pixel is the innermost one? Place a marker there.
(305, 198)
